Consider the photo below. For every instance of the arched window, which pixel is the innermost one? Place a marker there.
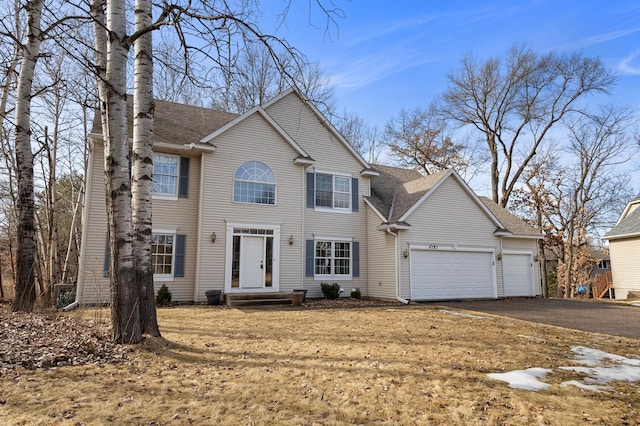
(254, 183)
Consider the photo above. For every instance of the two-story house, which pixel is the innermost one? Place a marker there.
(275, 200)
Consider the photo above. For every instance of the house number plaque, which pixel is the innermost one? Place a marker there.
(433, 247)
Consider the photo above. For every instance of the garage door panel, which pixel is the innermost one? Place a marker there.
(518, 275)
(439, 275)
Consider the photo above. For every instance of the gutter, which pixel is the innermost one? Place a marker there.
(397, 262)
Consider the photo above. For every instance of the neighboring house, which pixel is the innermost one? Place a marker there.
(275, 200)
(624, 249)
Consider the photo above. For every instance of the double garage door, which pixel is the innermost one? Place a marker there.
(446, 275)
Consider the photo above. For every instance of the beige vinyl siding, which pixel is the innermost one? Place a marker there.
(93, 286)
(331, 156)
(529, 245)
(329, 153)
(448, 217)
(181, 215)
(625, 267)
(253, 139)
(381, 259)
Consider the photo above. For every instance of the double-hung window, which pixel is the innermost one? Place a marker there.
(333, 191)
(165, 175)
(162, 252)
(332, 259)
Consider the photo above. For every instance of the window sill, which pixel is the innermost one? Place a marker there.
(332, 278)
(164, 197)
(330, 210)
(163, 278)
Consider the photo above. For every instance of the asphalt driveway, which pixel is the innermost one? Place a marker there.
(596, 317)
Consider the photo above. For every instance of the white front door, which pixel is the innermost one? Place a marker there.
(252, 262)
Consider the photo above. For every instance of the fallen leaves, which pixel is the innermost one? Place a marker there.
(47, 341)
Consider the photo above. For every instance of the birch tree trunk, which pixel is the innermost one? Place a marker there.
(125, 318)
(25, 284)
(142, 172)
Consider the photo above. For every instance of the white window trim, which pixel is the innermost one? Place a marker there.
(162, 196)
(324, 277)
(167, 277)
(275, 186)
(333, 175)
(275, 273)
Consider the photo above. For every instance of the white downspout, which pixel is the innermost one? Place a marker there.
(397, 262)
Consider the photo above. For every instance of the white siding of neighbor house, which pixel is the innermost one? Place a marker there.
(253, 139)
(625, 267)
(448, 217)
(179, 215)
(529, 245)
(381, 259)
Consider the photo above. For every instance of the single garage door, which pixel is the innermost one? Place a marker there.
(442, 275)
(517, 270)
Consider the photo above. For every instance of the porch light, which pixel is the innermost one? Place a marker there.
(291, 240)
(499, 255)
(405, 252)
(213, 237)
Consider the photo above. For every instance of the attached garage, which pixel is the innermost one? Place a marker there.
(517, 270)
(448, 274)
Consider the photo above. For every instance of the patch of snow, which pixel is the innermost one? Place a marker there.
(524, 379)
(582, 385)
(460, 314)
(598, 366)
(635, 304)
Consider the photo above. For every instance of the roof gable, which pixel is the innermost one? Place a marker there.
(396, 193)
(367, 169)
(629, 223)
(258, 110)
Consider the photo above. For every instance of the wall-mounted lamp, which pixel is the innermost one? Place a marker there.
(535, 258)
(291, 240)
(213, 237)
(405, 252)
(499, 255)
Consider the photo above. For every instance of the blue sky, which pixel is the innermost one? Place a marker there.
(385, 56)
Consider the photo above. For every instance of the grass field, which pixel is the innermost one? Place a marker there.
(413, 365)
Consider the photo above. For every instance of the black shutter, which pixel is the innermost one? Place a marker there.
(183, 179)
(355, 206)
(180, 248)
(107, 258)
(311, 190)
(310, 255)
(355, 252)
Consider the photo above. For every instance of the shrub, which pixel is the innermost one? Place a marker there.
(163, 298)
(355, 293)
(330, 291)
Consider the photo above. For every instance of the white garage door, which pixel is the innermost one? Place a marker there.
(442, 275)
(518, 275)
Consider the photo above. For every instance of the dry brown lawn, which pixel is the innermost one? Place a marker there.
(413, 365)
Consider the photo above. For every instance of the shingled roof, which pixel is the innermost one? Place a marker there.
(512, 223)
(177, 123)
(397, 190)
(628, 225)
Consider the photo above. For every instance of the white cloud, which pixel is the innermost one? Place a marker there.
(627, 65)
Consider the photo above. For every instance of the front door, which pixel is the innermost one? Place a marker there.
(252, 262)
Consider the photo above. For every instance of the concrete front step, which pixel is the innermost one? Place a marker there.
(253, 299)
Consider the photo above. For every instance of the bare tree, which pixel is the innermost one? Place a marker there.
(364, 138)
(577, 195)
(419, 140)
(25, 284)
(142, 170)
(515, 101)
